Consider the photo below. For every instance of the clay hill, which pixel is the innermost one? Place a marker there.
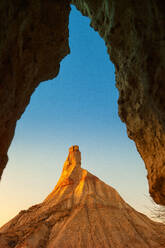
(82, 211)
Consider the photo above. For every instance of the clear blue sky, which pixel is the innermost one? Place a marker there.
(78, 107)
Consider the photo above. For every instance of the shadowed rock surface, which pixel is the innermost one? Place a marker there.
(34, 39)
(82, 211)
(134, 33)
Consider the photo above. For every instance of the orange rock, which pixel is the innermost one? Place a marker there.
(82, 211)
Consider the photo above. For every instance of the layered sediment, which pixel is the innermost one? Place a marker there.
(82, 211)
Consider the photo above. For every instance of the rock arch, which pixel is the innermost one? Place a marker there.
(135, 38)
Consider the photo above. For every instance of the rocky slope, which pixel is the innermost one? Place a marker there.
(82, 211)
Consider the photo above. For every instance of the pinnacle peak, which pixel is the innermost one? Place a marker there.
(71, 172)
(74, 148)
(74, 156)
(73, 207)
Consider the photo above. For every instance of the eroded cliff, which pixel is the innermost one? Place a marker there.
(134, 33)
(82, 211)
(33, 41)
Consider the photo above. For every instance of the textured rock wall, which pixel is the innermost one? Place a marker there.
(34, 39)
(134, 33)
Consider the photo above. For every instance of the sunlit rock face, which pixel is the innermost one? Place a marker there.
(134, 33)
(82, 211)
(34, 39)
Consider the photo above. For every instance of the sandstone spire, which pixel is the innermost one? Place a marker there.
(81, 212)
(72, 165)
(71, 172)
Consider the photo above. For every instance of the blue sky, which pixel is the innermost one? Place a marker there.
(78, 107)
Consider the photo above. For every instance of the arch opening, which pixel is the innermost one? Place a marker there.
(76, 108)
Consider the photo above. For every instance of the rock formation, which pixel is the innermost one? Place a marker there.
(82, 211)
(33, 41)
(134, 33)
